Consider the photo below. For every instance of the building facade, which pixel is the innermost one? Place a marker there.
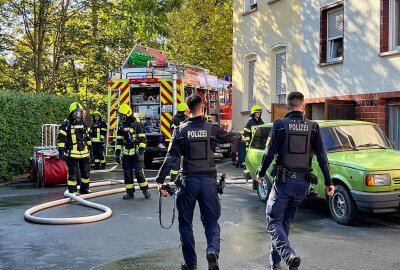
(343, 55)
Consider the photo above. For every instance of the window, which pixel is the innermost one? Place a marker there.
(252, 67)
(394, 24)
(250, 5)
(335, 35)
(260, 138)
(331, 33)
(280, 76)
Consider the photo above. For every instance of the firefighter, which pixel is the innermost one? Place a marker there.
(195, 141)
(74, 146)
(255, 120)
(131, 140)
(98, 132)
(178, 119)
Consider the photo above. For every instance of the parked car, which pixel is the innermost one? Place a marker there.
(364, 167)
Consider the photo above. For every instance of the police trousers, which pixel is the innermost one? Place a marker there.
(74, 166)
(98, 153)
(282, 205)
(130, 165)
(204, 191)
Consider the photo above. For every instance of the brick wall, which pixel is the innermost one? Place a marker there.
(369, 107)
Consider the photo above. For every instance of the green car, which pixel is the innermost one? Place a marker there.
(364, 167)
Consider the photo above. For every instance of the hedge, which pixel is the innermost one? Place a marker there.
(21, 118)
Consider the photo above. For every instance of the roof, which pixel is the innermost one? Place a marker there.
(332, 123)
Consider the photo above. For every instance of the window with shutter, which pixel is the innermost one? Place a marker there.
(251, 99)
(335, 35)
(280, 74)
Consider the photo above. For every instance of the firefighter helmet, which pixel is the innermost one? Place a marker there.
(96, 113)
(75, 106)
(125, 109)
(182, 107)
(256, 108)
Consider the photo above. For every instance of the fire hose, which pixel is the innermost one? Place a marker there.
(82, 200)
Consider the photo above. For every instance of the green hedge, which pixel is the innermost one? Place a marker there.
(21, 118)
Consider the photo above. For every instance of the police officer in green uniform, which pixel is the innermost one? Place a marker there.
(131, 141)
(74, 146)
(292, 141)
(178, 119)
(195, 141)
(98, 132)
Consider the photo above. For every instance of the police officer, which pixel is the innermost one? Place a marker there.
(98, 132)
(178, 119)
(74, 146)
(254, 121)
(293, 140)
(131, 140)
(195, 141)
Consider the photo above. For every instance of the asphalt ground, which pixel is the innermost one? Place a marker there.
(133, 239)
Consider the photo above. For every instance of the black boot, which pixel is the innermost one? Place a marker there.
(130, 194)
(276, 266)
(103, 166)
(146, 194)
(97, 166)
(185, 267)
(212, 259)
(293, 262)
(85, 189)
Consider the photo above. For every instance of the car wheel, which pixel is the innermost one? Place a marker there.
(264, 189)
(342, 206)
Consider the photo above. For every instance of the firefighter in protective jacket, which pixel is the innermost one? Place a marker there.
(178, 119)
(131, 141)
(74, 146)
(98, 132)
(255, 120)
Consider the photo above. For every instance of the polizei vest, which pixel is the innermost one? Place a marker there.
(297, 151)
(198, 156)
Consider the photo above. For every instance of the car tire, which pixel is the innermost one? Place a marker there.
(264, 189)
(343, 209)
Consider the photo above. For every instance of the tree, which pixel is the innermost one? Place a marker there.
(201, 34)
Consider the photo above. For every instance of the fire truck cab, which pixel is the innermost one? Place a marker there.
(154, 87)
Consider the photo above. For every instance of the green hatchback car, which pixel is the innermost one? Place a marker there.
(364, 167)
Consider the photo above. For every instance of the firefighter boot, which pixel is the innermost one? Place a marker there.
(85, 189)
(103, 166)
(97, 166)
(146, 194)
(130, 194)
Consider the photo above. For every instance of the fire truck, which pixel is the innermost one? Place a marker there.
(154, 87)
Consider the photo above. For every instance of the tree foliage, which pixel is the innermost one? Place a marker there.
(201, 34)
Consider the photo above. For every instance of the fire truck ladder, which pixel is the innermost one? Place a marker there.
(112, 131)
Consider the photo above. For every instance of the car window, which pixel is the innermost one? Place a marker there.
(259, 140)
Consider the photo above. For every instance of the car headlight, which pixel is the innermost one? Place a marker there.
(376, 180)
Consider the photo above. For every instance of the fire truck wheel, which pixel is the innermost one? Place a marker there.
(148, 160)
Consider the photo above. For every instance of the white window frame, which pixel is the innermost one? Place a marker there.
(394, 32)
(330, 41)
(248, 5)
(277, 96)
(251, 100)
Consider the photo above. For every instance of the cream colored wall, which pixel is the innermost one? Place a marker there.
(261, 33)
(362, 70)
